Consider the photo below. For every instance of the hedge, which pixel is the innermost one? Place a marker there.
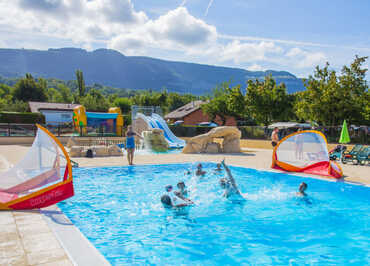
(22, 118)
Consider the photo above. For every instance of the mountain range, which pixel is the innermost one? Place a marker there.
(112, 68)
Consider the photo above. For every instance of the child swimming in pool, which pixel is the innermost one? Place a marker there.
(218, 168)
(182, 189)
(302, 189)
(200, 171)
(229, 185)
(170, 200)
(182, 193)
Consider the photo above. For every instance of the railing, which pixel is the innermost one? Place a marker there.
(29, 130)
(360, 135)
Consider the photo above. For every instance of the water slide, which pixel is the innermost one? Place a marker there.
(156, 121)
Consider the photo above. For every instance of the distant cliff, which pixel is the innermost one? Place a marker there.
(112, 68)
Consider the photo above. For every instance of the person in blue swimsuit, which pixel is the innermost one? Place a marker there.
(130, 144)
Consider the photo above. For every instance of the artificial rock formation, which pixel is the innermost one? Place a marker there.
(155, 140)
(205, 143)
(139, 125)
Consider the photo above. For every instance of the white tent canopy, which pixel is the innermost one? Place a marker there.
(289, 125)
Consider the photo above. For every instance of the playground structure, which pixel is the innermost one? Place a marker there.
(148, 118)
(306, 152)
(111, 122)
(42, 178)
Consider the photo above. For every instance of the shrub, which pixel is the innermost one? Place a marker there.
(22, 118)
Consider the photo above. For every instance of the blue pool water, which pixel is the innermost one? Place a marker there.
(118, 209)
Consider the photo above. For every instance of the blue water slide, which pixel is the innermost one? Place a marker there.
(156, 121)
(167, 132)
(147, 119)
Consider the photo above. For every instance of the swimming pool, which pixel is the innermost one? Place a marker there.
(118, 209)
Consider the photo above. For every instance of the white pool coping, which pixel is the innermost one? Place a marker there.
(78, 248)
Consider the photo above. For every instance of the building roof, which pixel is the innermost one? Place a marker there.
(185, 110)
(35, 107)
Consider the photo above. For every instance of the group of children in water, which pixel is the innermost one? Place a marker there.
(179, 198)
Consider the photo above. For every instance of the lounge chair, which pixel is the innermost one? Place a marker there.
(337, 152)
(349, 156)
(363, 156)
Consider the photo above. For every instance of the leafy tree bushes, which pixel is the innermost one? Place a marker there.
(268, 102)
(329, 98)
(28, 89)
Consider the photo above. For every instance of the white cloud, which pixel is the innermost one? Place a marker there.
(255, 67)
(248, 51)
(179, 27)
(176, 30)
(129, 44)
(305, 59)
(117, 11)
(116, 24)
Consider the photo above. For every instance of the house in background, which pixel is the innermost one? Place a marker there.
(192, 114)
(55, 113)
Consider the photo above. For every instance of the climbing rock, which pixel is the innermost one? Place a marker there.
(205, 143)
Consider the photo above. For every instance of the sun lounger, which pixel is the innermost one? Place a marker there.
(362, 156)
(349, 156)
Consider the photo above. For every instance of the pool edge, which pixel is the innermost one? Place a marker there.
(77, 247)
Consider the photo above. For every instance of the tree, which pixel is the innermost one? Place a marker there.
(95, 101)
(80, 83)
(268, 102)
(175, 100)
(54, 96)
(222, 102)
(124, 104)
(330, 99)
(27, 89)
(236, 102)
(65, 93)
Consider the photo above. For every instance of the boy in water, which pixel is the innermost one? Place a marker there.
(182, 193)
(200, 171)
(170, 200)
(218, 169)
(302, 189)
(229, 185)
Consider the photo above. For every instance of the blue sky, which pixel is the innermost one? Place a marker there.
(294, 36)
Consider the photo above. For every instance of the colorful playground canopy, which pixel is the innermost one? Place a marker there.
(42, 178)
(305, 151)
(101, 115)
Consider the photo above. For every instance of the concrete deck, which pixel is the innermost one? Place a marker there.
(27, 238)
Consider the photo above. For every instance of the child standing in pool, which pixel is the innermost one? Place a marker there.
(130, 144)
(302, 189)
(230, 187)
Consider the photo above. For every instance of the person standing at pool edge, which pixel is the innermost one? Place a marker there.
(275, 137)
(130, 144)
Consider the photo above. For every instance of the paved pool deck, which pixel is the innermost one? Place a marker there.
(36, 237)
